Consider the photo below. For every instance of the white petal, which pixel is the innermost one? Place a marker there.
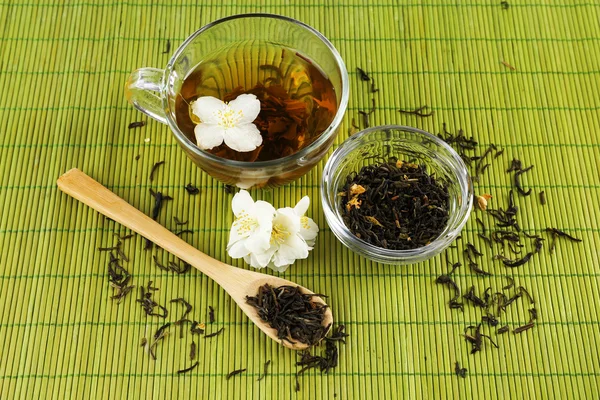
(241, 202)
(208, 135)
(302, 206)
(287, 218)
(253, 261)
(278, 269)
(238, 249)
(248, 104)
(264, 213)
(206, 109)
(242, 138)
(234, 235)
(258, 242)
(294, 248)
(263, 259)
(308, 230)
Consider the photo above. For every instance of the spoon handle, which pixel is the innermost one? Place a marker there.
(77, 184)
(236, 281)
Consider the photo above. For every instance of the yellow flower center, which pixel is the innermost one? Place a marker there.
(244, 223)
(304, 222)
(229, 118)
(279, 234)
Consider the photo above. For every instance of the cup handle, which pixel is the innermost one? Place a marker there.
(142, 91)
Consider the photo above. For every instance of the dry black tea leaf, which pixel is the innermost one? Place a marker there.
(291, 313)
(211, 314)
(234, 373)
(419, 112)
(137, 124)
(188, 306)
(183, 371)
(191, 189)
(399, 206)
(462, 372)
(363, 75)
(265, 371)
(214, 333)
(167, 47)
(154, 168)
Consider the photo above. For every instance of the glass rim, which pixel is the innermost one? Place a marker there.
(380, 254)
(254, 165)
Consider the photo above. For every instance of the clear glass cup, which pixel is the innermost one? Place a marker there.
(154, 91)
(406, 143)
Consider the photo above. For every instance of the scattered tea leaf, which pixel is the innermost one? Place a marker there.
(197, 328)
(148, 304)
(214, 333)
(373, 88)
(188, 306)
(363, 75)
(502, 330)
(188, 369)
(518, 181)
(447, 281)
(167, 47)
(523, 328)
(462, 372)
(419, 112)
(192, 351)
(514, 263)
(191, 189)
(474, 299)
(234, 373)
(159, 198)
(556, 233)
(476, 338)
(510, 284)
(265, 371)
(154, 168)
(159, 264)
(542, 198)
(137, 124)
(179, 222)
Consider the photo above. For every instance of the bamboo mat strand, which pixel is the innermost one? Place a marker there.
(62, 70)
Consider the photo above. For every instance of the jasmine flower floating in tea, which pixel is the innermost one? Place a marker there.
(257, 109)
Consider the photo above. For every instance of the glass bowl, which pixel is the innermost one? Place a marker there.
(370, 146)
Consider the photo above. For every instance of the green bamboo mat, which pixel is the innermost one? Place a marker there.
(63, 68)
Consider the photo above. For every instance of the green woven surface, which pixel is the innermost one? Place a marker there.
(62, 105)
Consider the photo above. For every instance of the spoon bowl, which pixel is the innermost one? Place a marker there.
(237, 282)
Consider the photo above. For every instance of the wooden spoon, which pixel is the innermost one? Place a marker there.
(238, 282)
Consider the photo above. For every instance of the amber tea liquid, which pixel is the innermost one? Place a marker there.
(298, 102)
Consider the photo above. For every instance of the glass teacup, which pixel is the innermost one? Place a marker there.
(154, 92)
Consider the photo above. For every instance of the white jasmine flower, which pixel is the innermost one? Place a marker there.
(287, 245)
(230, 122)
(293, 235)
(268, 238)
(251, 231)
